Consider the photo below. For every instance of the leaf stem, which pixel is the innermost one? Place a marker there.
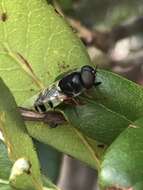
(50, 117)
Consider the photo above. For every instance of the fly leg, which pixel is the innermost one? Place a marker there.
(52, 124)
(76, 101)
(51, 104)
(77, 104)
(73, 101)
(88, 94)
(97, 83)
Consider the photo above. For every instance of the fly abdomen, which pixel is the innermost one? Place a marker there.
(40, 107)
(49, 98)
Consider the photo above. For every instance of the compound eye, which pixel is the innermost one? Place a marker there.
(88, 79)
(88, 76)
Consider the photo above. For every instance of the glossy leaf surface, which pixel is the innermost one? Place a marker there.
(122, 164)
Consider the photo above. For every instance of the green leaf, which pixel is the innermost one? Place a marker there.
(36, 44)
(96, 121)
(5, 164)
(122, 164)
(119, 95)
(68, 140)
(18, 142)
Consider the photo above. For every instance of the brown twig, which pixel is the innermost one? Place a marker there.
(50, 117)
(83, 32)
(91, 37)
(105, 40)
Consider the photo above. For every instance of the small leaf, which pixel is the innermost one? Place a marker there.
(5, 164)
(122, 164)
(18, 142)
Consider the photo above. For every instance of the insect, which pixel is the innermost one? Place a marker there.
(68, 87)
